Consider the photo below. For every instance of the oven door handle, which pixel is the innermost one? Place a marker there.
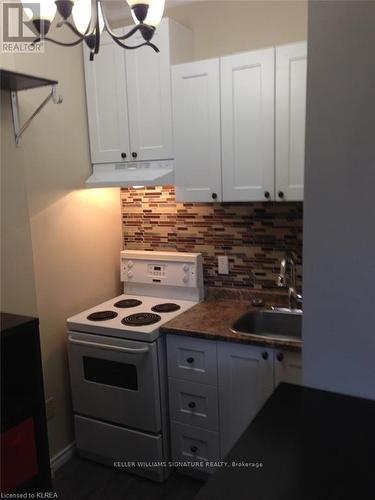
(141, 350)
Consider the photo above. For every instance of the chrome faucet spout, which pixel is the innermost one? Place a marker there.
(295, 299)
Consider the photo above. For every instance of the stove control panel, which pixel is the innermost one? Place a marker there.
(157, 269)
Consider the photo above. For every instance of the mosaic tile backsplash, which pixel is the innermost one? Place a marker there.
(255, 236)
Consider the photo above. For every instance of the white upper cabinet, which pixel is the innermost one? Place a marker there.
(129, 96)
(149, 97)
(196, 121)
(291, 63)
(107, 103)
(247, 113)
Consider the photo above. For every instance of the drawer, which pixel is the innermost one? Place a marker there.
(194, 404)
(193, 359)
(107, 443)
(191, 444)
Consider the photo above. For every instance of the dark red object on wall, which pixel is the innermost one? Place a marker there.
(25, 465)
(19, 461)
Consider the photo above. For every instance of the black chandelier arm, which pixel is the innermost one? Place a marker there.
(127, 35)
(74, 29)
(131, 47)
(62, 44)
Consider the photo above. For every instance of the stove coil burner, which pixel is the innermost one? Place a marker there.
(141, 319)
(123, 304)
(165, 308)
(102, 315)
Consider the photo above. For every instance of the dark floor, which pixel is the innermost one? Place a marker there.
(85, 480)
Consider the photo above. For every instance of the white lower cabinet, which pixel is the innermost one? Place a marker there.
(194, 404)
(216, 389)
(245, 383)
(288, 367)
(194, 444)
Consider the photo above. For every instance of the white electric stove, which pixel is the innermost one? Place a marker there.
(135, 317)
(117, 362)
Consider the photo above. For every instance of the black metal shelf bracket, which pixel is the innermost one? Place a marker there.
(20, 129)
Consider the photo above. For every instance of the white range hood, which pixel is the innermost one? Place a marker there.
(128, 174)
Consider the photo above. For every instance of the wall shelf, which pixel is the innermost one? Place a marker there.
(15, 82)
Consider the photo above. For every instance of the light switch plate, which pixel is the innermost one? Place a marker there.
(223, 264)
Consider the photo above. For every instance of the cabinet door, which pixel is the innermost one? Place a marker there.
(149, 97)
(288, 367)
(245, 383)
(196, 125)
(291, 64)
(247, 107)
(107, 103)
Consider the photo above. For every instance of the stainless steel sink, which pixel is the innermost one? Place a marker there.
(276, 323)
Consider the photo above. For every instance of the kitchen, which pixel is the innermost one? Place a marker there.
(62, 241)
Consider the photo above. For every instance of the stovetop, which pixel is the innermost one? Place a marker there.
(129, 316)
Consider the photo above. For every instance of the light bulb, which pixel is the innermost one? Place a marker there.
(82, 15)
(131, 3)
(154, 13)
(42, 9)
(47, 10)
(28, 14)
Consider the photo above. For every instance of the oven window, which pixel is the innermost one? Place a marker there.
(104, 371)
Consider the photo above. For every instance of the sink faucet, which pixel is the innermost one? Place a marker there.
(295, 299)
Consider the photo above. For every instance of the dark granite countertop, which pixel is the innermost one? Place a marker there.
(312, 444)
(213, 318)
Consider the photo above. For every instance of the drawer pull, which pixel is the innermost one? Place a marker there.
(190, 360)
(191, 404)
(194, 449)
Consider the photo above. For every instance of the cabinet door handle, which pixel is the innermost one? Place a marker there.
(123, 155)
(191, 405)
(281, 194)
(280, 356)
(265, 355)
(267, 195)
(214, 196)
(190, 360)
(134, 154)
(194, 449)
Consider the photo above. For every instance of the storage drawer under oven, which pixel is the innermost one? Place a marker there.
(115, 380)
(120, 448)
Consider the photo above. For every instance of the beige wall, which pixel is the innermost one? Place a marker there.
(17, 270)
(221, 28)
(227, 27)
(69, 235)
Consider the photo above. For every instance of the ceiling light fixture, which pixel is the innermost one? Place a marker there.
(89, 18)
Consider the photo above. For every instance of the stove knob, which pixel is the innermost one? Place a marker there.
(130, 264)
(185, 279)
(186, 268)
(130, 274)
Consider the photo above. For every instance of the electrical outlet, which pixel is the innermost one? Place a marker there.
(223, 264)
(50, 408)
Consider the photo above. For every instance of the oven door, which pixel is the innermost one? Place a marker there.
(115, 380)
